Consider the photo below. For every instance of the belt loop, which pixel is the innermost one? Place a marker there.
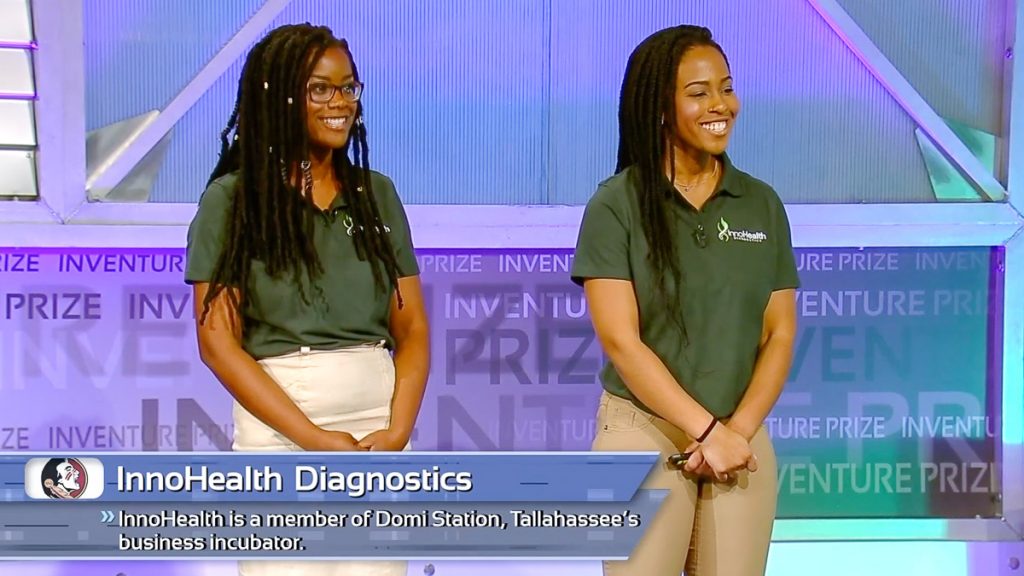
(382, 344)
(304, 350)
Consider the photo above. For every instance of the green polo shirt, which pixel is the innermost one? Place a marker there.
(747, 254)
(348, 310)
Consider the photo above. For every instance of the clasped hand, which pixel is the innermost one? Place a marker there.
(385, 440)
(723, 453)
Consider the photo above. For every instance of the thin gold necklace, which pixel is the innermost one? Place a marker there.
(685, 188)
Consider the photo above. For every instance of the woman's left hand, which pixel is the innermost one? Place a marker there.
(702, 469)
(694, 449)
(386, 440)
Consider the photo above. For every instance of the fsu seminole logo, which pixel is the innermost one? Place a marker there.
(64, 478)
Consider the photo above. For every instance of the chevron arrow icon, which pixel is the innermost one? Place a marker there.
(106, 516)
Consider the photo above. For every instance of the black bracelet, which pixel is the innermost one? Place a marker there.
(711, 427)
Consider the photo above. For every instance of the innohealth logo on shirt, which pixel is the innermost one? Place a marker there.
(725, 234)
(351, 227)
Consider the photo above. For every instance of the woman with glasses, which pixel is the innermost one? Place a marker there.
(308, 301)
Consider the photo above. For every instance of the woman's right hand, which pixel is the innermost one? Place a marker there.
(725, 452)
(334, 441)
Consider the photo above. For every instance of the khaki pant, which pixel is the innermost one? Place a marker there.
(348, 390)
(707, 528)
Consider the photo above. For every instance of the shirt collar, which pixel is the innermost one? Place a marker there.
(340, 202)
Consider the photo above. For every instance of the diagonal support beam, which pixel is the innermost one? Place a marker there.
(113, 171)
(1014, 114)
(900, 89)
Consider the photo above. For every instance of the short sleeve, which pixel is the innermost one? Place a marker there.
(397, 220)
(786, 275)
(602, 247)
(206, 234)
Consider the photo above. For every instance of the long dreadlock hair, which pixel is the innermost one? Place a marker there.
(646, 108)
(270, 220)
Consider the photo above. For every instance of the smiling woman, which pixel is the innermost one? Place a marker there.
(689, 276)
(308, 302)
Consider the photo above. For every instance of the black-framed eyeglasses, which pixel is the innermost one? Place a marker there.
(322, 92)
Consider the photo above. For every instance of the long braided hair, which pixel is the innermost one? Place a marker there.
(646, 109)
(270, 220)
